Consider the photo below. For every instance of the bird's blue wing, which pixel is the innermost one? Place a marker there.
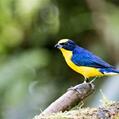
(82, 57)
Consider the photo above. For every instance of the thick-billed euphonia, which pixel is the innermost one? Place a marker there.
(83, 61)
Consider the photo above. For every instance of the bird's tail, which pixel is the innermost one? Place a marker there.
(110, 71)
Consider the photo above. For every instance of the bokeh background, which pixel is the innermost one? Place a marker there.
(32, 72)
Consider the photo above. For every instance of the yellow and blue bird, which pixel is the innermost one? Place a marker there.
(83, 61)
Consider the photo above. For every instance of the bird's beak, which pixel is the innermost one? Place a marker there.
(58, 46)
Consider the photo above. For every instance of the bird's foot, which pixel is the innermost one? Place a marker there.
(93, 79)
(86, 80)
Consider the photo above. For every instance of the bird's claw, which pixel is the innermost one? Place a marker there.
(93, 79)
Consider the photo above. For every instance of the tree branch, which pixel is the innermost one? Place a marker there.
(73, 96)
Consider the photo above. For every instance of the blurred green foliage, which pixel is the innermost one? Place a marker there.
(32, 72)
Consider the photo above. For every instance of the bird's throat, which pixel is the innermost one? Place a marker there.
(67, 54)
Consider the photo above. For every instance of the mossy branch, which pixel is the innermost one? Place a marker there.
(106, 112)
(72, 97)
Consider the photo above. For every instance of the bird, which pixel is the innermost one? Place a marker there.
(83, 61)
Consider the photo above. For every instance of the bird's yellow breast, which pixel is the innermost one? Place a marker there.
(84, 70)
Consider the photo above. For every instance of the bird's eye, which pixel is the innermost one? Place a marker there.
(62, 43)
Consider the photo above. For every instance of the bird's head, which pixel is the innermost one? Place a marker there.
(66, 44)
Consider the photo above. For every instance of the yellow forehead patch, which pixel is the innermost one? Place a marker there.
(63, 41)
